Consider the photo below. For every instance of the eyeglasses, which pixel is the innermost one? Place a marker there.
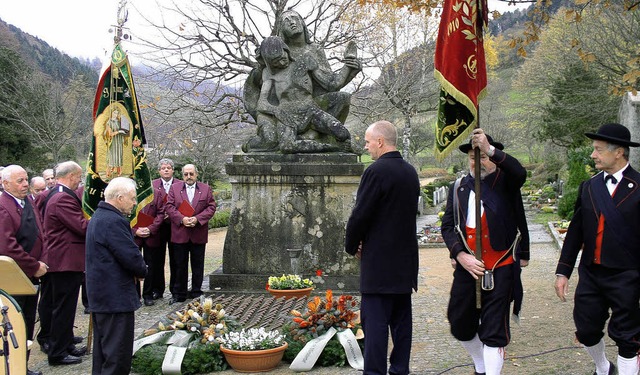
(189, 174)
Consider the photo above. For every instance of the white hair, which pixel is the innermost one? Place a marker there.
(119, 186)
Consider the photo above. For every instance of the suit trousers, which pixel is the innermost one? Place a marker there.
(491, 322)
(65, 289)
(381, 312)
(154, 257)
(179, 257)
(600, 289)
(45, 307)
(29, 306)
(112, 343)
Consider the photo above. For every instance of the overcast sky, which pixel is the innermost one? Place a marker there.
(80, 28)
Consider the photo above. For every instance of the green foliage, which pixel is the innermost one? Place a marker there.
(580, 165)
(332, 355)
(199, 359)
(571, 110)
(220, 219)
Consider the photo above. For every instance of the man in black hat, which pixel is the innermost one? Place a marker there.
(604, 225)
(485, 332)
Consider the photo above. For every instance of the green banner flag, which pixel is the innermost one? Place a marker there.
(117, 149)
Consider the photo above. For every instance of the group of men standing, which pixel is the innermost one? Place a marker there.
(45, 231)
(381, 234)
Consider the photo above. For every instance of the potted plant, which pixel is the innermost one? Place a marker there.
(289, 286)
(253, 350)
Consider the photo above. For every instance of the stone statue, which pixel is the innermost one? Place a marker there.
(294, 95)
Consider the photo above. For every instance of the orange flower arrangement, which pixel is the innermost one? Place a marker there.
(322, 314)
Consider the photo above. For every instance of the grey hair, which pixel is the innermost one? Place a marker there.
(66, 168)
(35, 179)
(119, 186)
(9, 170)
(625, 150)
(165, 161)
(189, 165)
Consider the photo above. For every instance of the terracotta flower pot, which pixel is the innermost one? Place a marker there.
(254, 360)
(290, 293)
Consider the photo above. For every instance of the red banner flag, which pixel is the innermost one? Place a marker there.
(461, 70)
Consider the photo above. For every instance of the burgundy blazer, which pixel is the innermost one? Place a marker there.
(10, 215)
(204, 206)
(156, 209)
(65, 228)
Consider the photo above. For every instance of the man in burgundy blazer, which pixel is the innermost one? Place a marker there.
(154, 238)
(65, 228)
(21, 238)
(190, 206)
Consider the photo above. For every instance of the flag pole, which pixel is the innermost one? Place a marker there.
(478, 253)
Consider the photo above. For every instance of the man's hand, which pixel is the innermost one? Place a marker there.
(562, 287)
(42, 269)
(143, 232)
(358, 254)
(524, 263)
(479, 139)
(471, 264)
(189, 222)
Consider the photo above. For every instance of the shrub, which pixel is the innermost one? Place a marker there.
(220, 219)
(580, 166)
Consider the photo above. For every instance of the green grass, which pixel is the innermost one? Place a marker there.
(545, 217)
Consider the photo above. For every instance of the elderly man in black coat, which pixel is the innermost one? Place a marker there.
(605, 227)
(381, 232)
(113, 263)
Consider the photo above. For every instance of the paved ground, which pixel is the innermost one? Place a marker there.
(541, 344)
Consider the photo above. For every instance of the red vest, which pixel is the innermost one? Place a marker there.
(489, 256)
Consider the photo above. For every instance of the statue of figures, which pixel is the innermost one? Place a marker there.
(294, 95)
(115, 135)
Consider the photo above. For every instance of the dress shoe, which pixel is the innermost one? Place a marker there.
(176, 300)
(77, 352)
(612, 369)
(194, 294)
(68, 360)
(31, 372)
(157, 295)
(44, 348)
(149, 302)
(77, 339)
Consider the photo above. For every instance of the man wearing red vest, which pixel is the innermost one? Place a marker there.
(485, 332)
(604, 226)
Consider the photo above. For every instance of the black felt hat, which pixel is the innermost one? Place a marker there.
(467, 146)
(614, 133)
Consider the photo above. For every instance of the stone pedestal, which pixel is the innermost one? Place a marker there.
(629, 115)
(280, 202)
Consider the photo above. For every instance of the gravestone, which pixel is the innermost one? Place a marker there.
(289, 201)
(629, 115)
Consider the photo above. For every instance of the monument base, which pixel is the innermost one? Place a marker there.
(288, 215)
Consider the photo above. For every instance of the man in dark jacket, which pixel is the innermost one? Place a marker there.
(113, 264)
(605, 227)
(485, 332)
(381, 232)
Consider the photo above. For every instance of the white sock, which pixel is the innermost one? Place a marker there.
(493, 360)
(599, 357)
(474, 348)
(628, 366)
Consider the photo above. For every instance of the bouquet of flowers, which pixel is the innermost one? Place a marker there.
(252, 339)
(321, 315)
(198, 326)
(287, 282)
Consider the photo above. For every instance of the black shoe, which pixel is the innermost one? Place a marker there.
(77, 352)
(157, 295)
(148, 302)
(77, 339)
(68, 360)
(30, 372)
(194, 294)
(612, 369)
(176, 300)
(44, 348)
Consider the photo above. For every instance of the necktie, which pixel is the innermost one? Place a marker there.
(610, 177)
(190, 191)
(22, 203)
